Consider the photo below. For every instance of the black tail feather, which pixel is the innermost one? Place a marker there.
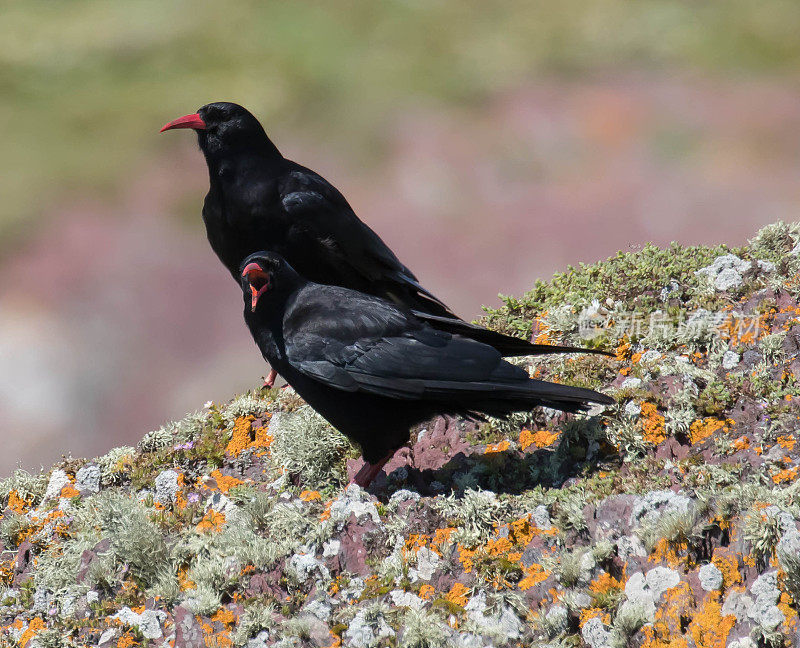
(507, 345)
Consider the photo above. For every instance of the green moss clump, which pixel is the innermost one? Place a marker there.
(633, 278)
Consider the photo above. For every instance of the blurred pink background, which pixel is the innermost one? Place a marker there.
(115, 316)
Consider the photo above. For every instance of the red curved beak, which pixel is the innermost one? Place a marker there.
(187, 121)
(257, 277)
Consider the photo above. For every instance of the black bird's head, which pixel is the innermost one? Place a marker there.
(224, 127)
(265, 275)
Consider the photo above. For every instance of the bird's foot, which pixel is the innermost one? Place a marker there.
(369, 471)
(269, 381)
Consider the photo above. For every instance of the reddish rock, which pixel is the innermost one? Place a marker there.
(23, 557)
(672, 449)
(188, 633)
(352, 552)
(89, 556)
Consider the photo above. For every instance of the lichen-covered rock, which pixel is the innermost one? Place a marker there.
(367, 630)
(710, 577)
(669, 519)
(87, 479)
(595, 634)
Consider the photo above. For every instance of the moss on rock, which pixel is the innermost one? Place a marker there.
(669, 517)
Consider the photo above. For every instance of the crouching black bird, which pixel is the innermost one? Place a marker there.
(259, 200)
(373, 369)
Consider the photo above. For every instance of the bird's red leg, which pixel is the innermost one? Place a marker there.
(369, 471)
(270, 381)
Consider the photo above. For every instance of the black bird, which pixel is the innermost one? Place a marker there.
(259, 200)
(373, 369)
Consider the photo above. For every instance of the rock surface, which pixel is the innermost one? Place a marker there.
(668, 519)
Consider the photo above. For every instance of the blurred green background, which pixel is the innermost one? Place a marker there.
(489, 143)
(83, 83)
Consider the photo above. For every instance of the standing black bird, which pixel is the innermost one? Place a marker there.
(259, 200)
(373, 369)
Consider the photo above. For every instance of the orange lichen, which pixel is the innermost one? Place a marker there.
(126, 641)
(743, 330)
(605, 583)
(224, 616)
(498, 546)
(240, 435)
(426, 592)
(458, 594)
(700, 430)
(224, 482)
(326, 513)
(6, 572)
(17, 503)
(335, 585)
(623, 350)
(245, 437)
(180, 501)
(728, 565)
(741, 443)
(414, 542)
(466, 557)
(184, 582)
(212, 521)
(214, 638)
(709, 628)
(539, 438)
(666, 630)
(790, 614)
(540, 331)
(652, 422)
(521, 531)
(442, 536)
(787, 441)
(69, 491)
(262, 441)
(502, 446)
(34, 627)
(786, 475)
(534, 575)
(669, 552)
(310, 496)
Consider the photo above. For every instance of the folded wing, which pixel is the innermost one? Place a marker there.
(374, 348)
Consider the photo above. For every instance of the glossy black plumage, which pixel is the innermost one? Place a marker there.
(372, 368)
(258, 200)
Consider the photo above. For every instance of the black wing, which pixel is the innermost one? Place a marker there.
(355, 342)
(326, 217)
(329, 221)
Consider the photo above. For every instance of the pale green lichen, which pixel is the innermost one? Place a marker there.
(173, 433)
(113, 464)
(12, 526)
(27, 486)
(423, 629)
(774, 242)
(307, 446)
(476, 513)
(257, 616)
(250, 403)
(628, 620)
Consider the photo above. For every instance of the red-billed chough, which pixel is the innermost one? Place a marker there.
(259, 200)
(373, 369)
